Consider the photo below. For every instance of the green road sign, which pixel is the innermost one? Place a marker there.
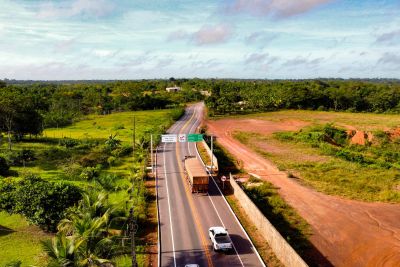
(195, 137)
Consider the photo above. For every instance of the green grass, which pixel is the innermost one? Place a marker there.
(20, 241)
(24, 243)
(326, 173)
(101, 126)
(285, 219)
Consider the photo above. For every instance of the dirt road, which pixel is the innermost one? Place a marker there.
(346, 232)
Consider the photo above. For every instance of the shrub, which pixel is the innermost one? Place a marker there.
(93, 159)
(112, 161)
(44, 203)
(118, 126)
(4, 167)
(68, 142)
(177, 113)
(89, 173)
(7, 188)
(72, 171)
(112, 142)
(108, 181)
(16, 263)
(122, 151)
(24, 156)
(338, 135)
(55, 153)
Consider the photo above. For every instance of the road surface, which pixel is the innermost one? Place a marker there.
(185, 217)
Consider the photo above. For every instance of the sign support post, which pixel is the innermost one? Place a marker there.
(151, 153)
(212, 155)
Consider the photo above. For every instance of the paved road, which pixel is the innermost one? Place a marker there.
(186, 217)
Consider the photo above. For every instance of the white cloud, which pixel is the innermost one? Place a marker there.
(212, 34)
(177, 35)
(255, 58)
(389, 37)
(389, 59)
(89, 8)
(276, 8)
(306, 61)
(206, 35)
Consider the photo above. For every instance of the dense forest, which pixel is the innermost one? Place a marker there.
(344, 95)
(29, 108)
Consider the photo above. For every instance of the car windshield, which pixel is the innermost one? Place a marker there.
(222, 239)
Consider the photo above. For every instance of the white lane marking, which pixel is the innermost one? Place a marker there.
(169, 209)
(241, 226)
(158, 215)
(234, 215)
(215, 208)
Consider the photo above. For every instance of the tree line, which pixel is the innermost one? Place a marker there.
(229, 96)
(29, 108)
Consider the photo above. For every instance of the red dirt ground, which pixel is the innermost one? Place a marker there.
(346, 232)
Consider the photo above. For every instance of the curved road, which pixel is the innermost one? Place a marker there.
(185, 217)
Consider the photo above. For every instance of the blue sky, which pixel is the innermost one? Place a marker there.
(135, 39)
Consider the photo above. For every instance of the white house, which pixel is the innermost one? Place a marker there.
(173, 89)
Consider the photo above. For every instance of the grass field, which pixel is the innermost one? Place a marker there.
(361, 121)
(367, 173)
(20, 241)
(56, 161)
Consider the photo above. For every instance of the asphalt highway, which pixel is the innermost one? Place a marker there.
(184, 217)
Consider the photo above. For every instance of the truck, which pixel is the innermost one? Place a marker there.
(196, 174)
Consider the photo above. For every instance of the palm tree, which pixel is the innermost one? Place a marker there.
(61, 250)
(86, 237)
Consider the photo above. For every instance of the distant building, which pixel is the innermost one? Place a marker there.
(205, 93)
(173, 89)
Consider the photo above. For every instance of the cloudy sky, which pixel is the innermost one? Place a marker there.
(134, 39)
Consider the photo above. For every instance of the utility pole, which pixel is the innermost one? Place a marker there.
(132, 235)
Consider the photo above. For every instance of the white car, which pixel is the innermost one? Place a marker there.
(220, 238)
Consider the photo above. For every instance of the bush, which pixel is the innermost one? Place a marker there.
(108, 181)
(112, 161)
(89, 173)
(41, 202)
(16, 263)
(93, 159)
(336, 134)
(23, 156)
(7, 189)
(72, 171)
(124, 150)
(68, 142)
(118, 126)
(55, 153)
(177, 113)
(4, 167)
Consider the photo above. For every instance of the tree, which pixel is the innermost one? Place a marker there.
(18, 114)
(4, 167)
(86, 237)
(44, 203)
(112, 142)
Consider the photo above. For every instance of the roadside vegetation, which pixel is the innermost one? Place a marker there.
(88, 167)
(323, 157)
(242, 97)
